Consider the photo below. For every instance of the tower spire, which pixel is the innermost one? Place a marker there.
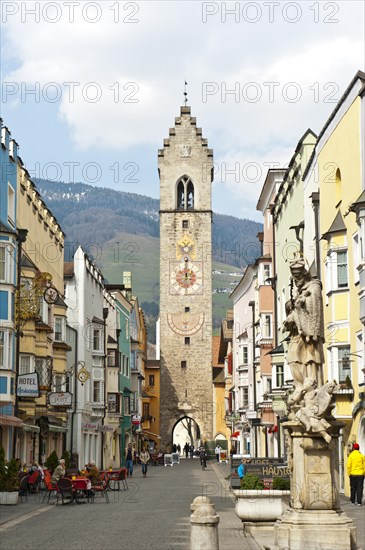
(185, 93)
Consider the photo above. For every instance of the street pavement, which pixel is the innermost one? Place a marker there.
(153, 514)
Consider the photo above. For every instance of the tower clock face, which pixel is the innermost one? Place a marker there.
(186, 277)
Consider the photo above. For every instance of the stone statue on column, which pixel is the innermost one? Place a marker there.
(314, 519)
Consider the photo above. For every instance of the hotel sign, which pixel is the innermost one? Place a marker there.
(27, 385)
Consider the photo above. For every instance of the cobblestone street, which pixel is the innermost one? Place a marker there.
(153, 514)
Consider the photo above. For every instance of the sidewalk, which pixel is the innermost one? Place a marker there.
(23, 509)
(356, 513)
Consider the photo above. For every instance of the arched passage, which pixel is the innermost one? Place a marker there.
(186, 430)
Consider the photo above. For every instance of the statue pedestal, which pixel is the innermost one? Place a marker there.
(314, 520)
(315, 530)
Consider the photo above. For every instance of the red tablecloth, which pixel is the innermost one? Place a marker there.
(81, 484)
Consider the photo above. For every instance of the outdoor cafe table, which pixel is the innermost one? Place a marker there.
(80, 486)
(112, 478)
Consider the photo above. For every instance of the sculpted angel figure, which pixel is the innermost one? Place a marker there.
(304, 323)
(317, 405)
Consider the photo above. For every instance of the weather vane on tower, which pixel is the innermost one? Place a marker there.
(185, 93)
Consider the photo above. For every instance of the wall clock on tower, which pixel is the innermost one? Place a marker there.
(186, 277)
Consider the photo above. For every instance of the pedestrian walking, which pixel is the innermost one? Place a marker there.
(144, 458)
(217, 450)
(203, 457)
(241, 469)
(129, 460)
(191, 449)
(174, 448)
(178, 448)
(186, 449)
(356, 471)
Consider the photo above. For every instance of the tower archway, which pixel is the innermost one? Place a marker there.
(186, 430)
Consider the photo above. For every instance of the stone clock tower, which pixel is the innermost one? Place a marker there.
(185, 166)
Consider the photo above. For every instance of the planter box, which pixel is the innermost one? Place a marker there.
(9, 498)
(261, 505)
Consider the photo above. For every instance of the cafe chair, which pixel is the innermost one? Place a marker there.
(33, 482)
(23, 488)
(50, 487)
(101, 488)
(123, 478)
(64, 490)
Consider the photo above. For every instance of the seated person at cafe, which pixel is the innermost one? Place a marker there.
(59, 472)
(92, 472)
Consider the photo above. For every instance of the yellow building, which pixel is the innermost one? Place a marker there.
(41, 318)
(221, 431)
(151, 403)
(340, 149)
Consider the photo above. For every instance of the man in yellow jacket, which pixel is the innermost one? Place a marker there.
(356, 471)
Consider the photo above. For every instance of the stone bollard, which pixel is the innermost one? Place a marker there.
(204, 525)
(198, 501)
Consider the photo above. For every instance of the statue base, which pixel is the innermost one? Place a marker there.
(314, 520)
(314, 530)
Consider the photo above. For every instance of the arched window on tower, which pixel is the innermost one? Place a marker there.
(181, 196)
(190, 193)
(185, 194)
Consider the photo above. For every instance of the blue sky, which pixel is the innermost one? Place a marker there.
(108, 79)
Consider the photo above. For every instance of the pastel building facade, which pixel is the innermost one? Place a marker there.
(8, 281)
(86, 314)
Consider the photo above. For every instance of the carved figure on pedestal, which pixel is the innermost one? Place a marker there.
(310, 402)
(316, 407)
(305, 326)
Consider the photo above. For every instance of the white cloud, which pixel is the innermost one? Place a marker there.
(170, 44)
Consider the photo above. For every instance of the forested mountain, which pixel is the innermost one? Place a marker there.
(90, 214)
(120, 231)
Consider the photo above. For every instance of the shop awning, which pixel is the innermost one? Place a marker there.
(151, 433)
(30, 428)
(9, 420)
(53, 428)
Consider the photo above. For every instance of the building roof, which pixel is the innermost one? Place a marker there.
(338, 226)
(216, 340)
(359, 75)
(358, 203)
(268, 186)
(27, 262)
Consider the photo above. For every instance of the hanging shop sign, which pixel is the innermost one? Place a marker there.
(60, 399)
(136, 419)
(106, 428)
(27, 385)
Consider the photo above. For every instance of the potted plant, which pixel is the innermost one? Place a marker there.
(52, 462)
(281, 483)
(9, 482)
(256, 504)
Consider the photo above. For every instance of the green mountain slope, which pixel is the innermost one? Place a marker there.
(120, 231)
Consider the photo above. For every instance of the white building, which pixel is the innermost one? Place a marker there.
(243, 355)
(84, 294)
